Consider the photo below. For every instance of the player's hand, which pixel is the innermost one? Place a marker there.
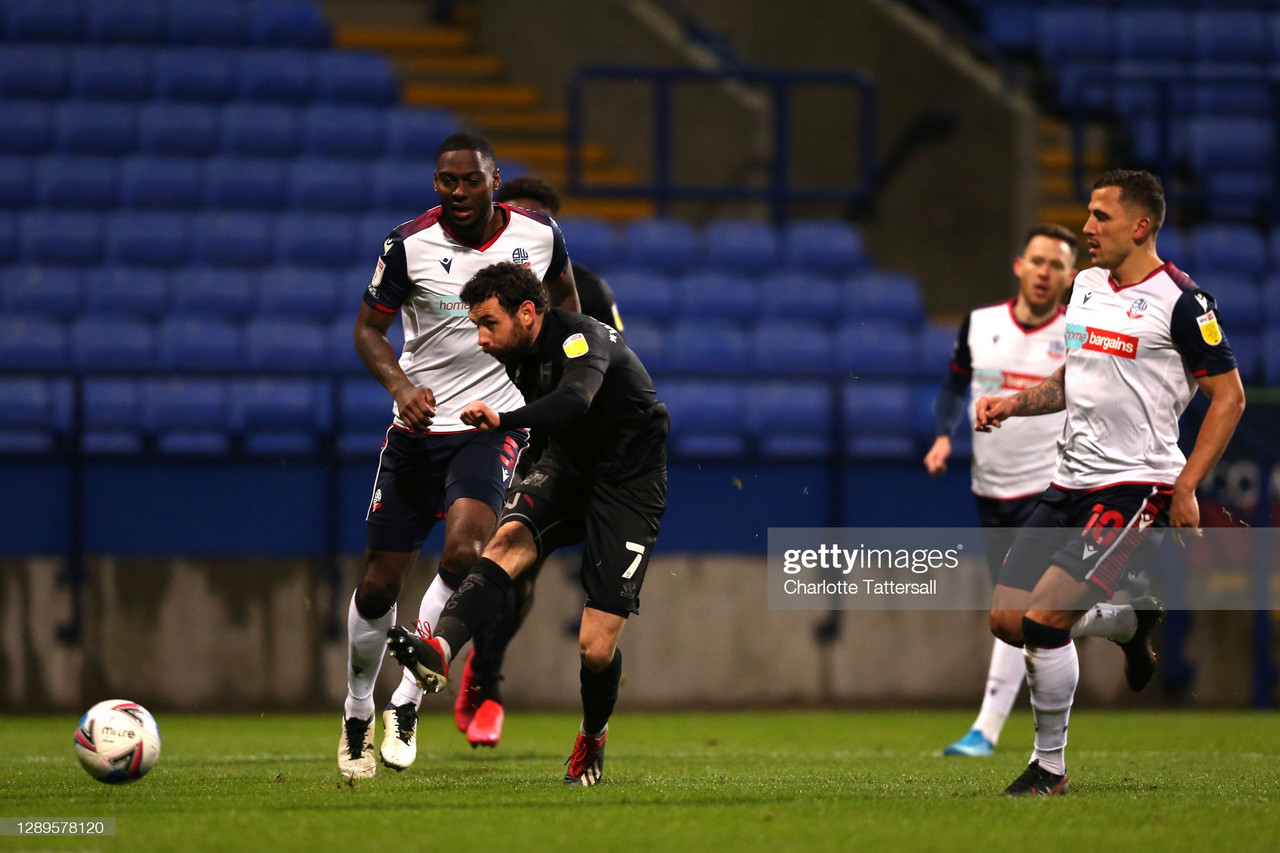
(481, 416)
(935, 461)
(1184, 516)
(417, 407)
(990, 411)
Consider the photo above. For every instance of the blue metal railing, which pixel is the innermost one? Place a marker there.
(779, 192)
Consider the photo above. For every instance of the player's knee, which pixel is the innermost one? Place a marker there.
(460, 554)
(1006, 625)
(595, 655)
(379, 587)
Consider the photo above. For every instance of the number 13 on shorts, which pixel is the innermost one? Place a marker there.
(638, 550)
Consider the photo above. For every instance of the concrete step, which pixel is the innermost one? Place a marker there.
(592, 173)
(1059, 157)
(477, 66)
(460, 96)
(403, 39)
(1069, 215)
(518, 122)
(536, 152)
(616, 210)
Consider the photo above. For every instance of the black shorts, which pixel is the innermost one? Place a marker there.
(1103, 536)
(619, 521)
(1001, 519)
(421, 475)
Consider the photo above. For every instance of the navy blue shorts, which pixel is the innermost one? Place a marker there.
(1001, 520)
(1103, 536)
(421, 475)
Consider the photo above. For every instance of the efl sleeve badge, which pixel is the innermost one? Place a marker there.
(1209, 328)
(575, 345)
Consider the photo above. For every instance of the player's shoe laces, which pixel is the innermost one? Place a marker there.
(1035, 781)
(399, 735)
(486, 725)
(974, 744)
(355, 749)
(423, 658)
(586, 764)
(469, 698)
(1139, 659)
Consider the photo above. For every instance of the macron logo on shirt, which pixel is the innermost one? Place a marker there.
(1100, 340)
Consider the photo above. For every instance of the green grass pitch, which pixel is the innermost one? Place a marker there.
(1141, 781)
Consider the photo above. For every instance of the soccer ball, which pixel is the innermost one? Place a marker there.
(117, 741)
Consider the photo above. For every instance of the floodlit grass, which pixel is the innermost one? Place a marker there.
(1141, 781)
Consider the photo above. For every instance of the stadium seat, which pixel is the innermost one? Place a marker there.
(789, 346)
(187, 342)
(708, 346)
(112, 342)
(281, 417)
(1074, 34)
(178, 130)
(41, 291)
(399, 190)
(875, 348)
(199, 75)
(356, 77)
(319, 184)
(17, 182)
(719, 295)
(127, 21)
(275, 343)
(112, 416)
(1174, 246)
(301, 293)
(64, 237)
(266, 130)
(744, 246)
(1270, 357)
(245, 183)
(1225, 248)
(112, 74)
(162, 182)
(647, 341)
(45, 20)
(188, 416)
(933, 349)
(1229, 143)
(316, 240)
(342, 352)
(34, 72)
(1246, 346)
(32, 343)
(27, 127)
(590, 240)
(806, 295)
(338, 130)
(10, 237)
(416, 134)
(276, 76)
(293, 23)
(222, 294)
(790, 420)
(118, 291)
(364, 416)
(706, 418)
(148, 239)
(33, 414)
(84, 183)
(824, 245)
(1134, 29)
(661, 244)
(1241, 301)
(1235, 35)
(642, 295)
(95, 128)
(372, 230)
(883, 295)
(878, 420)
(233, 240)
(209, 22)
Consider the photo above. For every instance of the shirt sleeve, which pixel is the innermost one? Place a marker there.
(1197, 334)
(559, 254)
(587, 360)
(949, 408)
(390, 285)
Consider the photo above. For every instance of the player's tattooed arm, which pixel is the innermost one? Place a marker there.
(1043, 399)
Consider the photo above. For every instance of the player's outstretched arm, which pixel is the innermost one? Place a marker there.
(1046, 398)
(1226, 405)
(417, 406)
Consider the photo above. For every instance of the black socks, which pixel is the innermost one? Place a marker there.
(476, 603)
(600, 694)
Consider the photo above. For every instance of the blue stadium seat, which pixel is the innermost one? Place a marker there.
(275, 343)
(706, 418)
(209, 22)
(112, 342)
(1217, 143)
(356, 77)
(1271, 299)
(32, 343)
(281, 417)
(277, 76)
(883, 295)
(1240, 297)
(178, 130)
(1247, 348)
(27, 127)
(17, 182)
(824, 245)
(295, 23)
(402, 188)
(647, 341)
(319, 184)
(708, 346)
(790, 420)
(1134, 29)
(337, 130)
(1174, 246)
(1271, 357)
(188, 416)
(806, 295)
(790, 346)
(1235, 35)
(878, 420)
(245, 183)
(112, 416)
(720, 295)
(199, 75)
(222, 294)
(64, 237)
(934, 347)
(1226, 248)
(31, 72)
(45, 20)
(1213, 92)
(10, 237)
(41, 291)
(875, 348)
(661, 244)
(1075, 34)
(95, 128)
(590, 240)
(34, 414)
(148, 239)
(267, 130)
(924, 400)
(740, 245)
(127, 292)
(85, 183)
(316, 240)
(112, 73)
(233, 240)
(342, 353)
(372, 230)
(187, 342)
(643, 295)
(127, 21)
(416, 134)
(301, 293)
(364, 416)
(162, 182)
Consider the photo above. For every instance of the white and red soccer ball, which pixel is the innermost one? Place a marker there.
(117, 741)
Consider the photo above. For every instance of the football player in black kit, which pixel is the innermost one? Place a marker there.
(602, 478)
(478, 710)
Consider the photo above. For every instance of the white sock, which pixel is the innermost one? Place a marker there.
(1052, 675)
(1111, 621)
(429, 610)
(366, 644)
(1004, 680)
